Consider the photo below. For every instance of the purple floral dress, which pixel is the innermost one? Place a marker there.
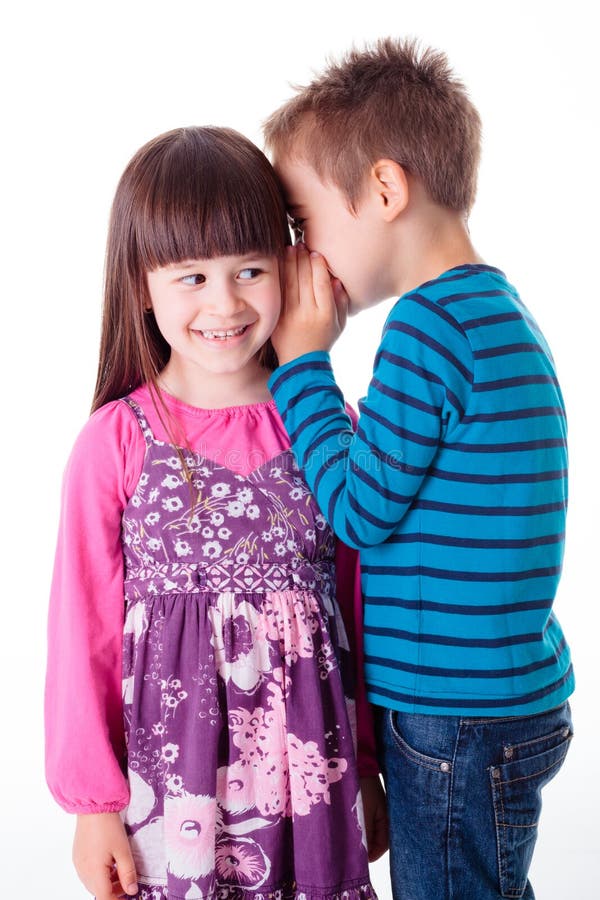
(240, 754)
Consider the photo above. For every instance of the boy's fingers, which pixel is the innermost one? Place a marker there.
(321, 281)
(291, 278)
(305, 277)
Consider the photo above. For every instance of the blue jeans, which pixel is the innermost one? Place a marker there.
(464, 799)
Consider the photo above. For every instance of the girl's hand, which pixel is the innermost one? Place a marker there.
(102, 856)
(376, 820)
(314, 306)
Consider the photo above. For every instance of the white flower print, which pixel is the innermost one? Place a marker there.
(253, 511)
(207, 532)
(172, 504)
(310, 535)
(152, 518)
(266, 536)
(291, 545)
(235, 509)
(279, 549)
(170, 752)
(278, 531)
(153, 495)
(144, 479)
(171, 481)
(217, 519)
(275, 472)
(173, 462)
(211, 549)
(244, 495)
(320, 521)
(242, 559)
(175, 783)
(136, 501)
(154, 544)
(296, 494)
(182, 548)
(158, 728)
(220, 490)
(224, 533)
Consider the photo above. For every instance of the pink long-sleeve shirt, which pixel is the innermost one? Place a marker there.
(85, 749)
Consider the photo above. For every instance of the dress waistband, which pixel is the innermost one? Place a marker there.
(163, 578)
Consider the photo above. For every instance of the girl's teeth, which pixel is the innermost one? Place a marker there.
(221, 335)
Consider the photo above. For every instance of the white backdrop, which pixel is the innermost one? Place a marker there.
(84, 86)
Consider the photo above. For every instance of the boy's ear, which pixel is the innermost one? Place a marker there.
(390, 184)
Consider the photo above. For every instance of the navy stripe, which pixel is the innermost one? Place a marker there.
(403, 363)
(459, 609)
(541, 509)
(333, 500)
(367, 516)
(399, 431)
(462, 273)
(372, 483)
(310, 392)
(439, 672)
(439, 311)
(320, 439)
(515, 447)
(295, 369)
(405, 398)
(515, 414)
(479, 543)
(507, 349)
(521, 478)
(457, 575)
(310, 420)
(327, 466)
(470, 295)
(496, 319)
(389, 459)
(433, 345)
(445, 640)
(517, 381)
(478, 703)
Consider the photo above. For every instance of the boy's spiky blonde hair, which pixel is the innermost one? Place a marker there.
(392, 100)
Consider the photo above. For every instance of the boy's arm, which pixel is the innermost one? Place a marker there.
(364, 483)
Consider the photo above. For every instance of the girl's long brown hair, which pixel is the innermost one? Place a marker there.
(192, 193)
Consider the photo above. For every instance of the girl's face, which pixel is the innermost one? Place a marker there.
(216, 314)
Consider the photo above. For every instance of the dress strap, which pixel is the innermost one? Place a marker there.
(141, 418)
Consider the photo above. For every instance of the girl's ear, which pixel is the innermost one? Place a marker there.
(389, 183)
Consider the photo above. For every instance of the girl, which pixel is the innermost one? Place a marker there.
(195, 711)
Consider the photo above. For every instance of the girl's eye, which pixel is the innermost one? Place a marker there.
(249, 274)
(194, 280)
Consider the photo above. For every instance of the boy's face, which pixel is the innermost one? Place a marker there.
(354, 245)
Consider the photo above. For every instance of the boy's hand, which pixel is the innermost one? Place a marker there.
(376, 820)
(102, 856)
(314, 306)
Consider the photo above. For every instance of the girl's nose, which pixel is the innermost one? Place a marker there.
(224, 301)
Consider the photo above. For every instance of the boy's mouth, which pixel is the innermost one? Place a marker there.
(215, 334)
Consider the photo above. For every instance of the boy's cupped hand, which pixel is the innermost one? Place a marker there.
(314, 307)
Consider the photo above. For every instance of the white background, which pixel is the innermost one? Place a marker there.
(84, 85)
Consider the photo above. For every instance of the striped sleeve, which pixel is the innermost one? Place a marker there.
(365, 482)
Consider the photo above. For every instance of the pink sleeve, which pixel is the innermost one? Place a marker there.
(85, 750)
(349, 597)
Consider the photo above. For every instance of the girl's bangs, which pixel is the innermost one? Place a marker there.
(200, 208)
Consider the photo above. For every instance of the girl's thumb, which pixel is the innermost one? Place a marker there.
(126, 870)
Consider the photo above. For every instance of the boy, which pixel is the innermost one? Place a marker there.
(453, 486)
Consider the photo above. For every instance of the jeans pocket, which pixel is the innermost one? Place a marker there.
(516, 791)
(427, 735)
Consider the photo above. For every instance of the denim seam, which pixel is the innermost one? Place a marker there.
(556, 762)
(539, 740)
(407, 751)
(450, 812)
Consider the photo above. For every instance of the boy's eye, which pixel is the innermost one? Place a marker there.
(249, 274)
(195, 279)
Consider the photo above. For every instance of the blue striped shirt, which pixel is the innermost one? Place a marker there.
(454, 488)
